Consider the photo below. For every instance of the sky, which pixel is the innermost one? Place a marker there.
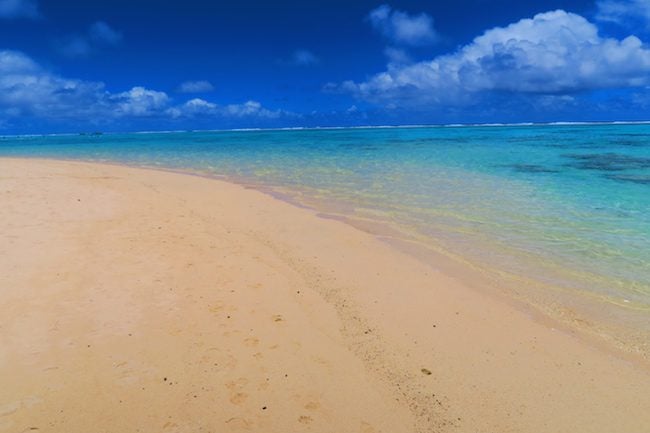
(71, 66)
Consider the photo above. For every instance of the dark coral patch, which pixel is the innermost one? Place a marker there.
(608, 162)
(642, 180)
(530, 168)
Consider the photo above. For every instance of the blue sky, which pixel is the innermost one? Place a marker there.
(68, 66)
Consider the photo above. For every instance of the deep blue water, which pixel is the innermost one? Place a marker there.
(567, 206)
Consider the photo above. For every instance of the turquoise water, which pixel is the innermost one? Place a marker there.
(563, 206)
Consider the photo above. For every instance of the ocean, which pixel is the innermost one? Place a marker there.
(558, 214)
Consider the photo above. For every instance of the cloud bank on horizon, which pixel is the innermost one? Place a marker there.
(548, 61)
(28, 89)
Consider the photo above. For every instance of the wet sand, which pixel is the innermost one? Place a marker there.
(143, 301)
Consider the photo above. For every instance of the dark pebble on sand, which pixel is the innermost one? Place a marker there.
(426, 371)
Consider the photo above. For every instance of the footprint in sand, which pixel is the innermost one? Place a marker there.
(252, 341)
(304, 419)
(278, 318)
(237, 383)
(238, 398)
(231, 333)
(169, 424)
(239, 423)
(312, 405)
(8, 409)
(215, 308)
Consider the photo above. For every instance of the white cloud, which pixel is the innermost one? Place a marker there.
(193, 107)
(19, 9)
(140, 102)
(400, 27)
(198, 107)
(16, 62)
(200, 86)
(102, 33)
(251, 108)
(27, 90)
(552, 53)
(621, 12)
(304, 58)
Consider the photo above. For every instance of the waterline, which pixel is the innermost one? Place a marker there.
(558, 213)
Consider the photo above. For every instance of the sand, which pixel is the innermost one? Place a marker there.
(137, 300)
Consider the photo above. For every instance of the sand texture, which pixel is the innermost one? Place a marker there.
(136, 300)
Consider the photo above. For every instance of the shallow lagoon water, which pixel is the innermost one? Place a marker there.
(563, 206)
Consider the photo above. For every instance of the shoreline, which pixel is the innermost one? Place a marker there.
(580, 314)
(428, 349)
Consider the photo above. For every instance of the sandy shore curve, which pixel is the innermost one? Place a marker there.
(137, 300)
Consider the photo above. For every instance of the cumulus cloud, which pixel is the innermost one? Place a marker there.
(139, 102)
(252, 108)
(304, 58)
(552, 53)
(27, 90)
(403, 28)
(200, 86)
(200, 104)
(198, 107)
(193, 107)
(10, 9)
(98, 35)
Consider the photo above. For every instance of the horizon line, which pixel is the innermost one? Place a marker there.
(313, 128)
